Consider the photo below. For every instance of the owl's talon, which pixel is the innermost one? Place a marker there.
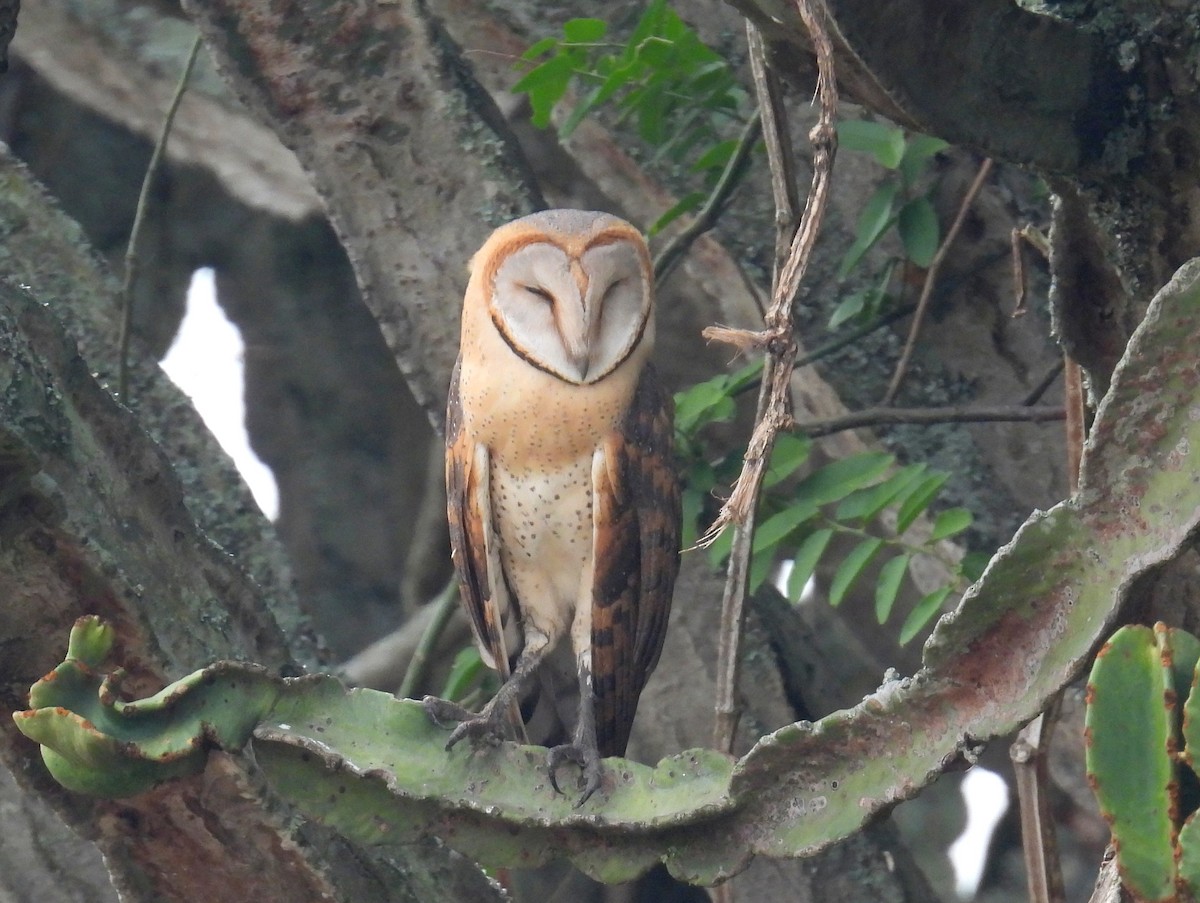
(441, 711)
(484, 726)
(588, 761)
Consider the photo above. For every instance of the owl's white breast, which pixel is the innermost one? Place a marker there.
(544, 519)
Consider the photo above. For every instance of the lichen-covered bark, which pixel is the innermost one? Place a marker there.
(374, 101)
(1020, 86)
(93, 519)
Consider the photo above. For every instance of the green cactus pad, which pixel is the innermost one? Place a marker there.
(94, 742)
(1189, 859)
(1130, 743)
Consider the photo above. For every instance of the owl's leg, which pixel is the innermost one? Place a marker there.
(583, 751)
(495, 718)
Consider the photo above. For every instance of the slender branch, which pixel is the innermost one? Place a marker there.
(444, 604)
(777, 340)
(1029, 754)
(852, 337)
(781, 157)
(727, 711)
(1026, 235)
(1044, 384)
(931, 277)
(1030, 750)
(132, 263)
(889, 416)
(731, 176)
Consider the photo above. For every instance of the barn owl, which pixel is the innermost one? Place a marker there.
(563, 496)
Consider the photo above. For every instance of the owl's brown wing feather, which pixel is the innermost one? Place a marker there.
(637, 535)
(473, 543)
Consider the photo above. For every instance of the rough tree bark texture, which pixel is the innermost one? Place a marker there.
(415, 164)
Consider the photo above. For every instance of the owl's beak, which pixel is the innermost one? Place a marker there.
(580, 359)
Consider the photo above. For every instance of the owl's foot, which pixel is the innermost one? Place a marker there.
(491, 724)
(587, 757)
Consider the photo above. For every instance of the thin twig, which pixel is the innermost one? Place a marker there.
(891, 416)
(731, 176)
(931, 275)
(132, 263)
(781, 157)
(1043, 384)
(444, 604)
(852, 337)
(831, 348)
(1030, 751)
(1029, 756)
(777, 340)
(1026, 235)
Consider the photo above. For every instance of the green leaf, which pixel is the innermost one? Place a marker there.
(852, 305)
(711, 81)
(891, 575)
(584, 31)
(686, 204)
(555, 71)
(538, 49)
(916, 154)
(655, 52)
(545, 84)
(652, 118)
(922, 613)
(805, 562)
(786, 457)
(918, 227)
(650, 22)
(693, 507)
(716, 156)
(874, 220)
(776, 527)
(885, 142)
(745, 377)
(866, 504)
(761, 566)
(973, 565)
(578, 114)
(867, 302)
(950, 522)
(849, 569)
(918, 500)
(466, 671)
(838, 479)
(704, 403)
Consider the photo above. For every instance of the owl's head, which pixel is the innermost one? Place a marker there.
(570, 291)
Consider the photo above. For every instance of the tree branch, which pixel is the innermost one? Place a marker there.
(891, 416)
(773, 406)
(731, 176)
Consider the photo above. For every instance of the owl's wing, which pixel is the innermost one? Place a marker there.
(637, 535)
(473, 544)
